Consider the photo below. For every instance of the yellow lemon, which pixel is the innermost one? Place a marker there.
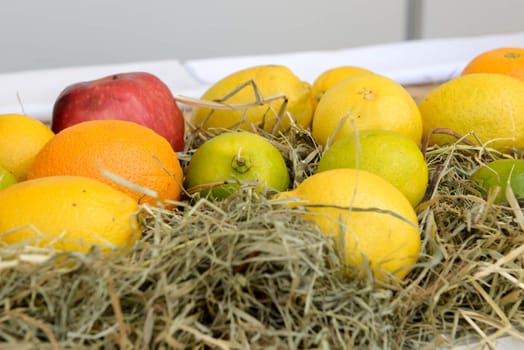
(220, 165)
(368, 101)
(68, 213)
(487, 104)
(332, 76)
(369, 219)
(21, 138)
(389, 154)
(267, 81)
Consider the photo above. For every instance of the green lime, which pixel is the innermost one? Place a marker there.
(220, 165)
(6, 178)
(495, 175)
(389, 154)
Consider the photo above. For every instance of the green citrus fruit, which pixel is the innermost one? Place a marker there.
(6, 178)
(220, 165)
(495, 175)
(389, 154)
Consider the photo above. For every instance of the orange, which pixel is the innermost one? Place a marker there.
(128, 150)
(504, 60)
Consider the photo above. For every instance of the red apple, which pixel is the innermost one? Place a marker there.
(135, 96)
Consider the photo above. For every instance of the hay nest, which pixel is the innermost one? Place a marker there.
(248, 272)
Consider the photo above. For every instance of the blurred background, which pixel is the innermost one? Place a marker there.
(59, 33)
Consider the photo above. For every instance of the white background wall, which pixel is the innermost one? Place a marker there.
(54, 33)
(446, 18)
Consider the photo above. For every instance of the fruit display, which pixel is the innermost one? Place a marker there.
(269, 212)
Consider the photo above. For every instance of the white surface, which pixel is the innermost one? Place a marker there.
(505, 343)
(40, 34)
(46, 34)
(447, 18)
(408, 62)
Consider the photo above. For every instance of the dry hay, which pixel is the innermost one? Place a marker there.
(248, 272)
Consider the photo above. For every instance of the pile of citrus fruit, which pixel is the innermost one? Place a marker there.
(85, 185)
